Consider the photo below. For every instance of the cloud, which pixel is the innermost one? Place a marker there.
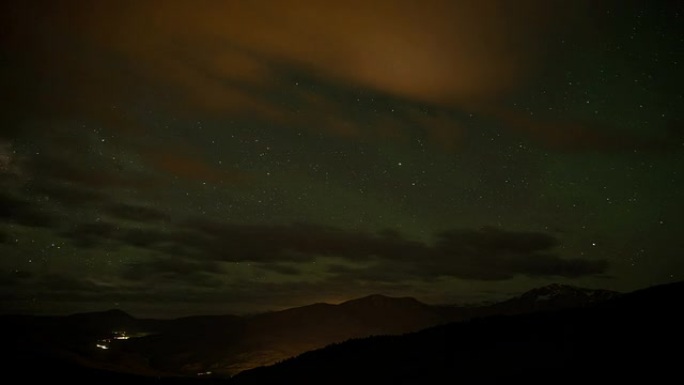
(136, 213)
(22, 212)
(281, 268)
(70, 284)
(243, 59)
(487, 254)
(233, 57)
(175, 270)
(49, 284)
(296, 243)
(8, 159)
(493, 254)
(14, 278)
(484, 254)
(68, 194)
(440, 52)
(92, 234)
(577, 135)
(107, 234)
(71, 170)
(192, 168)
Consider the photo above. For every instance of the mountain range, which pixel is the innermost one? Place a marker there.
(223, 346)
(635, 337)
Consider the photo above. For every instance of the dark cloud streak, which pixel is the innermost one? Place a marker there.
(136, 213)
(196, 273)
(22, 212)
(485, 254)
(68, 194)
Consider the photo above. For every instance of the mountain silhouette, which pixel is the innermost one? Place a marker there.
(627, 337)
(227, 345)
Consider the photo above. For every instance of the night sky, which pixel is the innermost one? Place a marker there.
(194, 157)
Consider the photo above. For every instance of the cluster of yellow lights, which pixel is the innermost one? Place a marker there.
(118, 335)
(121, 337)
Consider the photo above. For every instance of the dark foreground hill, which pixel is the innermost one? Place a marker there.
(635, 336)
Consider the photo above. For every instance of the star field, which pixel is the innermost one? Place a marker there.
(170, 158)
